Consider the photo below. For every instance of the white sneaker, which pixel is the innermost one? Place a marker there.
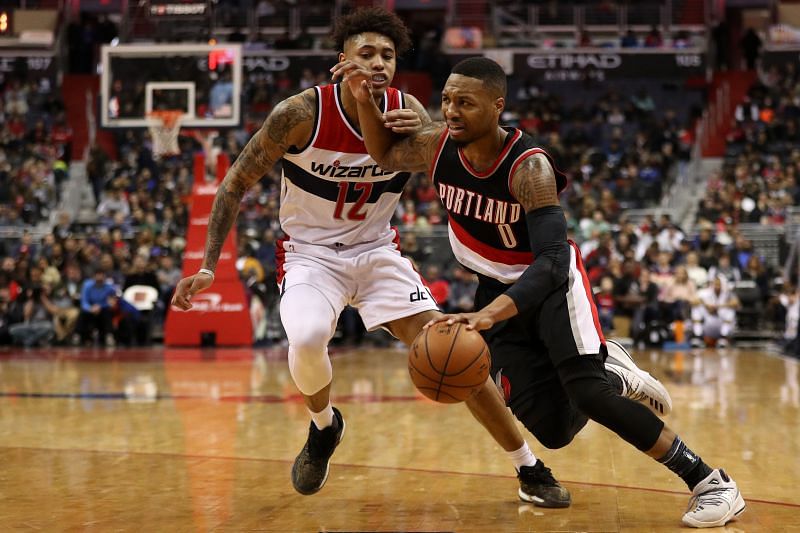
(637, 384)
(715, 501)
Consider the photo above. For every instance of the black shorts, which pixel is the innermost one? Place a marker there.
(526, 350)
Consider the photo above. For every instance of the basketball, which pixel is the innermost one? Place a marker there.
(448, 363)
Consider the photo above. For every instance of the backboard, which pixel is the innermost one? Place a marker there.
(204, 81)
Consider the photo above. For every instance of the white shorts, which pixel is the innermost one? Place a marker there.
(378, 281)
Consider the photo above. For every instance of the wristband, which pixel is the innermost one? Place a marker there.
(207, 272)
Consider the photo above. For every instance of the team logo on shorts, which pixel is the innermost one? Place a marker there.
(503, 385)
(420, 294)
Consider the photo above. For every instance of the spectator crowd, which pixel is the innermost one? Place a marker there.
(653, 282)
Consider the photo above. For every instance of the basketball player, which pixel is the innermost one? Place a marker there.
(548, 351)
(336, 204)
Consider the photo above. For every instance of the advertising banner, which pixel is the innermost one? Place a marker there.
(220, 315)
(544, 65)
(601, 65)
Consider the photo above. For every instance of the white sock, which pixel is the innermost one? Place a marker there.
(324, 418)
(522, 457)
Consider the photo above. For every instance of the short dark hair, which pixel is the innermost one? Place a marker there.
(372, 19)
(484, 69)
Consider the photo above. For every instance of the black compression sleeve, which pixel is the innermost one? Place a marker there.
(547, 229)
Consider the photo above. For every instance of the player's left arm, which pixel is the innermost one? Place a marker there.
(534, 186)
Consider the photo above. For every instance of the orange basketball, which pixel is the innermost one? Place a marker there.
(448, 363)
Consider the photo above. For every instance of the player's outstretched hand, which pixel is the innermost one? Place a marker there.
(477, 321)
(404, 121)
(188, 287)
(358, 78)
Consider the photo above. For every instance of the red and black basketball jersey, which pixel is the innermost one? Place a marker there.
(486, 223)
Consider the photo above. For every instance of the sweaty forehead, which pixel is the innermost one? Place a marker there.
(368, 38)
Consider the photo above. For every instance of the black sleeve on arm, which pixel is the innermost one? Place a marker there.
(547, 229)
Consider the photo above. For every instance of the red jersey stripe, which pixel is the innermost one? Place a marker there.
(588, 288)
(506, 257)
(500, 158)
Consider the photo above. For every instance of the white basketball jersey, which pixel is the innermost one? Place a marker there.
(332, 191)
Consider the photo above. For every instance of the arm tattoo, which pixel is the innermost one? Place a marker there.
(534, 183)
(265, 148)
(415, 153)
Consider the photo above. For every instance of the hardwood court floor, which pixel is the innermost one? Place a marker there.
(184, 440)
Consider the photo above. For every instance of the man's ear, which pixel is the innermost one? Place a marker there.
(500, 105)
(341, 57)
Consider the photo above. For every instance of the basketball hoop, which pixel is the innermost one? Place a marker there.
(164, 126)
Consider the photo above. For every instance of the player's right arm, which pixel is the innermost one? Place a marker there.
(289, 124)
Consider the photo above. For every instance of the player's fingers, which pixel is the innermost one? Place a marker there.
(339, 66)
(182, 294)
(479, 323)
(404, 126)
(436, 320)
(453, 319)
(349, 68)
(340, 71)
(404, 130)
(355, 75)
(181, 302)
(400, 121)
(401, 114)
(177, 297)
(476, 324)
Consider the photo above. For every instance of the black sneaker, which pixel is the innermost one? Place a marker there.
(310, 470)
(538, 486)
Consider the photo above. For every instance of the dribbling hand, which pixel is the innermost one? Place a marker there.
(477, 321)
(188, 287)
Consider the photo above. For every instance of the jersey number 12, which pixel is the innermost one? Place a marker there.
(355, 212)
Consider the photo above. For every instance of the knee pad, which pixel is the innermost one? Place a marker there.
(309, 321)
(553, 436)
(593, 395)
(555, 430)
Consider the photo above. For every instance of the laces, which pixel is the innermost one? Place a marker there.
(637, 396)
(634, 387)
(539, 473)
(712, 498)
(321, 441)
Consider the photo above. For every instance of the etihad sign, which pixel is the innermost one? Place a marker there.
(570, 61)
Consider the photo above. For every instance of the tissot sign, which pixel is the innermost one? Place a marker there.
(575, 66)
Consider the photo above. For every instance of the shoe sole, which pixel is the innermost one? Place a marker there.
(327, 466)
(539, 502)
(736, 511)
(660, 408)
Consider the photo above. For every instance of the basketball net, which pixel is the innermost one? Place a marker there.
(164, 127)
(206, 139)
